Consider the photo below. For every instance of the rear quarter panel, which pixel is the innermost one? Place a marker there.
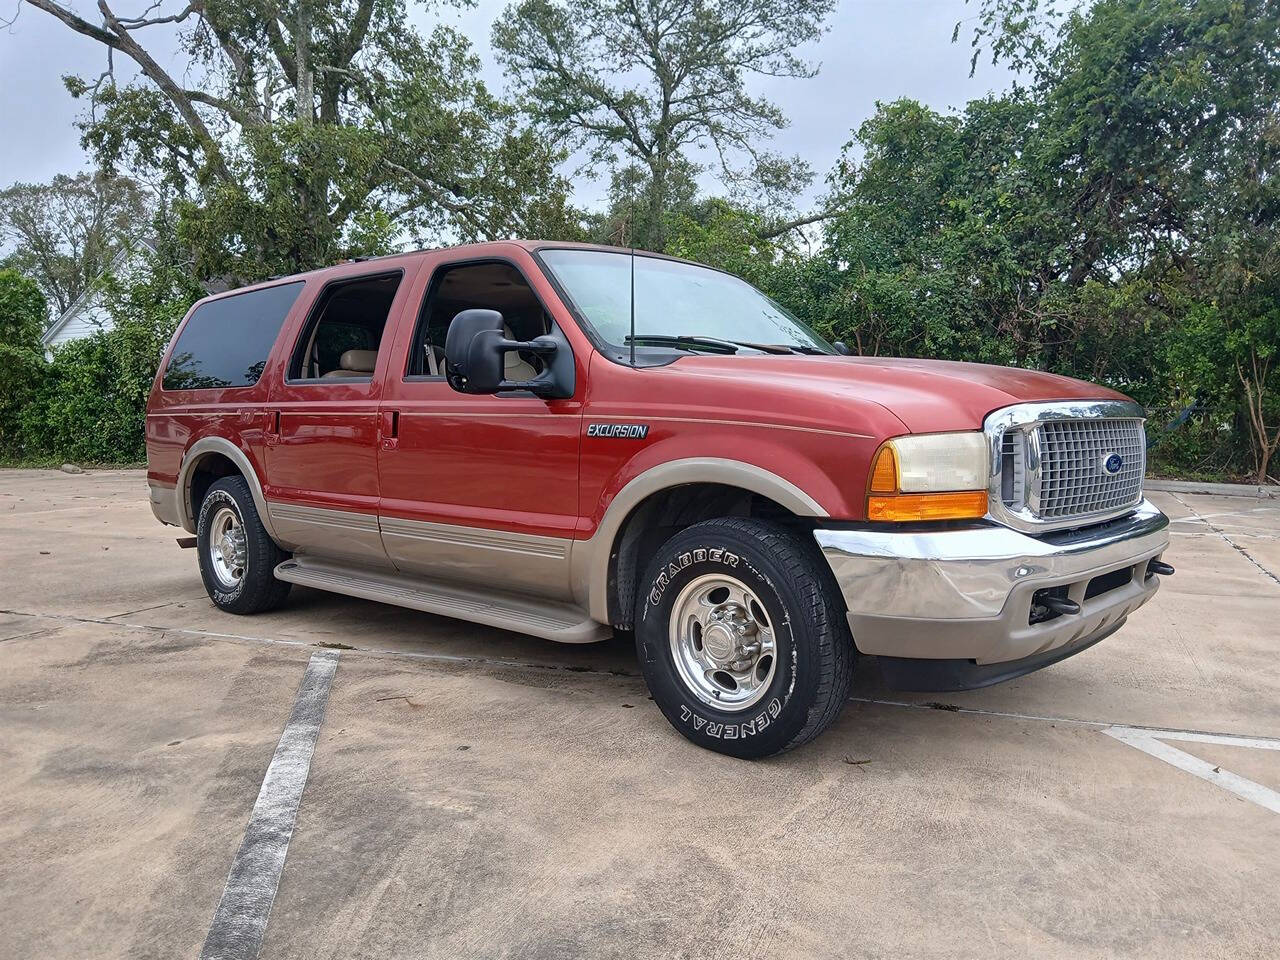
(178, 418)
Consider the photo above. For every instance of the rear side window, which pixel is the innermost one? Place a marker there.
(226, 342)
(344, 332)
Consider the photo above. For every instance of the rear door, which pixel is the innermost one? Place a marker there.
(479, 489)
(322, 445)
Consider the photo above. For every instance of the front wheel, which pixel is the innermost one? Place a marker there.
(741, 644)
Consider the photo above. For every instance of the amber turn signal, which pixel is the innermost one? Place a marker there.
(884, 472)
(966, 504)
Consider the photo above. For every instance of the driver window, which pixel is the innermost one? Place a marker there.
(493, 286)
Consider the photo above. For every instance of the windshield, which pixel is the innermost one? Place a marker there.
(674, 302)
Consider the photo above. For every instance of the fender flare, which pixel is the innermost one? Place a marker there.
(589, 564)
(220, 445)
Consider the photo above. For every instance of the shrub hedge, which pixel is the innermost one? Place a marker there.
(87, 402)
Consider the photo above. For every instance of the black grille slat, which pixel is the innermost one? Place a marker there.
(1012, 469)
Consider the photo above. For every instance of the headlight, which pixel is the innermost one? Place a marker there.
(932, 476)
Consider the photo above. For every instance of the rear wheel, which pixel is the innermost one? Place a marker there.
(237, 555)
(740, 640)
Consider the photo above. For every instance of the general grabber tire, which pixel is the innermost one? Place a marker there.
(741, 637)
(237, 556)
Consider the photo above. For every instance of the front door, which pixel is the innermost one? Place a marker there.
(322, 446)
(478, 489)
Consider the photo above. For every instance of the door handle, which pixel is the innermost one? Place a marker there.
(389, 429)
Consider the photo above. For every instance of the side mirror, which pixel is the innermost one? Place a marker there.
(842, 348)
(472, 353)
(475, 349)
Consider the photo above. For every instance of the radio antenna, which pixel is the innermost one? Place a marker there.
(632, 338)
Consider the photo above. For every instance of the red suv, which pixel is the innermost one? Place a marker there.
(561, 439)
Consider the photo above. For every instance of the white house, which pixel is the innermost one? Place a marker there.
(89, 314)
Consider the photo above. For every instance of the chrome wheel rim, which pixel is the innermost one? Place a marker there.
(722, 643)
(227, 553)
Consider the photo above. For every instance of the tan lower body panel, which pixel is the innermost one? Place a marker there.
(514, 562)
(341, 534)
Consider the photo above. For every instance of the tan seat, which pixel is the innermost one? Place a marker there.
(354, 363)
(514, 366)
(437, 362)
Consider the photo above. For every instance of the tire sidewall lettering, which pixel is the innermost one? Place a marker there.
(731, 731)
(211, 503)
(687, 559)
(760, 718)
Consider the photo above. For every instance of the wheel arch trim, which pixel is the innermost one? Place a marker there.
(200, 450)
(590, 561)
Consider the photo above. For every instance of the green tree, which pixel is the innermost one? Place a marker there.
(642, 84)
(1158, 142)
(89, 403)
(22, 311)
(627, 219)
(1227, 346)
(22, 317)
(65, 233)
(305, 131)
(931, 250)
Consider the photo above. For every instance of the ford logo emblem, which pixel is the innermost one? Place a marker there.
(1112, 463)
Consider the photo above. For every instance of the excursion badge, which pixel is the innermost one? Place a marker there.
(627, 431)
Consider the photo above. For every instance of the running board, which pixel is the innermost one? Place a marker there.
(539, 618)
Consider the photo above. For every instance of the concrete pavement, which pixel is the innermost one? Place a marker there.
(476, 793)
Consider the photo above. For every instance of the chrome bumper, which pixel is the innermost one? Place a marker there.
(966, 593)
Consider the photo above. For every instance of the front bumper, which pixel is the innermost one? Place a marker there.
(966, 594)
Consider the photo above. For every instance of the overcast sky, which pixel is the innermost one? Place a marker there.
(875, 50)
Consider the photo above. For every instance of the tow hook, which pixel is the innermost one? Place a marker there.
(1160, 567)
(1060, 605)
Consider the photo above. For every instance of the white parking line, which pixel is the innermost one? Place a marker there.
(1152, 742)
(240, 922)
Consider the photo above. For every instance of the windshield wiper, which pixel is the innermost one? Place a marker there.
(688, 343)
(718, 345)
(800, 348)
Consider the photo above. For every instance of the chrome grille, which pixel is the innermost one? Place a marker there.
(1047, 460)
(1072, 479)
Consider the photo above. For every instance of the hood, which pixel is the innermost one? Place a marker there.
(927, 396)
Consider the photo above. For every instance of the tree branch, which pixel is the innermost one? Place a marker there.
(137, 23)
(778, 229)
(236, 113)
(77, 24)
(116, 37)
(464, 210)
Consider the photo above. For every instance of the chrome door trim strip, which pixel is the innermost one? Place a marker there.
(495, 559)
(479, 538)
(406, 410)
(323, 516)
